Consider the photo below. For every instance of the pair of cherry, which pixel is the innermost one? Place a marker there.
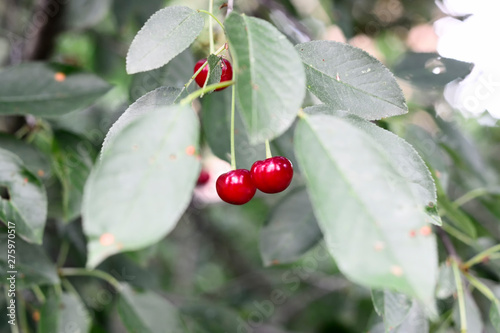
(272, 175)
(238, 187)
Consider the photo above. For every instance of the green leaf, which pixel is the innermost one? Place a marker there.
(495, 316)
(33, 265)
(370, 226)
(26, 201)
(147, 312)
(162, 96)
(270, 77)
(458, 218)
(73, 160)
(446, 282)
(147, 173)
(392, 306)
(429, 70)
(430, 151)
(215, 69)
(415, 322)
(63, 314)
(166, 34)
(291, 231)
(411, 169)
(348, 78)
(35, 161)
(216, 116)
(174, 74)
(47, 89)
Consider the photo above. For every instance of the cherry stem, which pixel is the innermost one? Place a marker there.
(233, 102)
(460, 295)
(481, 256)
(268, 150)
(95, 273)
(189, 98)
(210, 26)
(213, 16)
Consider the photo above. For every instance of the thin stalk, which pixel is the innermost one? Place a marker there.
(460, 296)
(478, 192)
(458, 234)
(38, 294)
(233, 103)
(69, 287)
(95, 273)
(482, 288)
(268, 150)
(23, 320)
(210, 25)
(63, 253)
(189, 98)
(213, 16)
(481, 256)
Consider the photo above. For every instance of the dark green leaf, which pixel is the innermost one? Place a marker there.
(34, 160)
(216, 124)
(147, 173)
(174, 74)
(25, 201)
(214, 68)
(47, 89)
(460, 219)
(291, 231)
(162, 96)
(73, 160)
(270, 80)
(348, 78)
(495, 316)
(147, 312)
(166, 34)
(32, 264)
(64, 314)
(371, 227)
(429, 70)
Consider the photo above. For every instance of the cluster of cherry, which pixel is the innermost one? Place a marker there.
(238, 187)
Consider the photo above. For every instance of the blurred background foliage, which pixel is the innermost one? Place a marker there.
(211, 265)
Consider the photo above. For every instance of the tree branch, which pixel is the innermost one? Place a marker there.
(46, 23)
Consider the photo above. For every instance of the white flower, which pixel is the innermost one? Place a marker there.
(475, 40)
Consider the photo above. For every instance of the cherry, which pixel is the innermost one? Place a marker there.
(227, 72)
(203, 178)
(235, 187)
(272, 175)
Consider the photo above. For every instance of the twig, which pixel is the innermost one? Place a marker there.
(230, 7)
(447, 243)
(41, 44)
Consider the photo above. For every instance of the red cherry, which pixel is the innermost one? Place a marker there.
(272, 175)
(203, 178)
(235, 187)
(227, 72)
